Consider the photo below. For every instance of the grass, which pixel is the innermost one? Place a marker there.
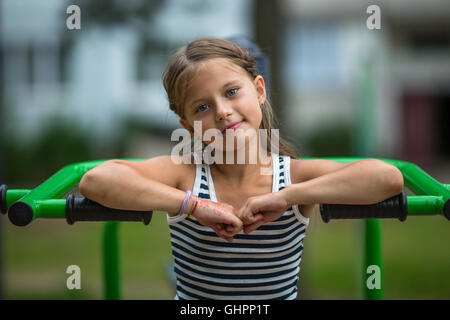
(415, 254)
(416, 259)
(37, 256)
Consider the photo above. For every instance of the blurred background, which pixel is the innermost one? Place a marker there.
(337, 87)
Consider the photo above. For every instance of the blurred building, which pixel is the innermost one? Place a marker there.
(100, 75)
(97, 76)
(329, 46)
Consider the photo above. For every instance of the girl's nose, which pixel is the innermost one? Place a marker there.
(223, 110)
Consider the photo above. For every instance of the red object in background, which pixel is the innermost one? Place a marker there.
(420, 126)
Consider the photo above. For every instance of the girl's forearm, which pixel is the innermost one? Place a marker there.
(363, 182)
(118, 186)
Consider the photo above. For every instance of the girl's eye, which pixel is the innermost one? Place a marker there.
(232, 92)
(202, 107)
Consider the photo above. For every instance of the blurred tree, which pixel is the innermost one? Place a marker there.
(136, 14)
(30, 164)
(269, 27)
(330, 141)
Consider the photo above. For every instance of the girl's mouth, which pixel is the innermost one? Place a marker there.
(233, 127)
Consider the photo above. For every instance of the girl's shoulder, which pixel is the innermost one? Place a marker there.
(173, 171)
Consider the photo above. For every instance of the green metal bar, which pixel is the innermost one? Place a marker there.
(419, 182)
(13, 195)
(55, 208)
(111, 261)
(364, 139)
(415, 179)
(425, 205)
(372, 280)
(51, 209)
(55, 186)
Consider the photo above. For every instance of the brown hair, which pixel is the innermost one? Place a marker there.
(181, 66)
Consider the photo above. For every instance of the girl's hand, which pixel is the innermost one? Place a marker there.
(262, 209)
(221, 217)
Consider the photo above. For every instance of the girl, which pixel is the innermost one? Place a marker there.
(235, 233)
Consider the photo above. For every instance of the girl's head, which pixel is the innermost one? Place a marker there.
(229, 91)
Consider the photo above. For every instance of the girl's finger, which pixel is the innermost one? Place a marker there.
(252, 227)
(254, 218)
(226, 231)
(221, 234)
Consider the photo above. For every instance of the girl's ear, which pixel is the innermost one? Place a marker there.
(187, 126)
(260, 89)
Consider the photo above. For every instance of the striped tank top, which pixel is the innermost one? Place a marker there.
(261, 265)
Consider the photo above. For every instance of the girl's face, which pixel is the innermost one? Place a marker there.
(220, 94)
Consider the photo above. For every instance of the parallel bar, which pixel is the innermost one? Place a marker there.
(418, 181)
(65, 179)
(373, 263)
(111, 261)
(13, 195)
(51, 209)
(23, 211)
(424, 205)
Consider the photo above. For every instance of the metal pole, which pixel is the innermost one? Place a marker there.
(111, 261)
(373, 264)
(364, 147)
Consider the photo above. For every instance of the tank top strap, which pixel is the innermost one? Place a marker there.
(284, 178)
(281, 172)
(201, 182)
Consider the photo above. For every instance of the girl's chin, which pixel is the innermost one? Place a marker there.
(238, 144)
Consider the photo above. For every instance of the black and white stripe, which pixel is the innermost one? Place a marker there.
(260, 265)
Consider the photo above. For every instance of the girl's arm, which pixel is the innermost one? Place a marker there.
(151, 186)
(362, 182)
(118, 185)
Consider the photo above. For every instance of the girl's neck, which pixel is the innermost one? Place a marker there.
(237, 173)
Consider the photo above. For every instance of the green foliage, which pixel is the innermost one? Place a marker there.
(331, 141)
(33, 161)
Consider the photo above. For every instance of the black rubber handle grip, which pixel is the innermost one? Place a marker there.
(3, 189)
(395, 207)
(83, 209)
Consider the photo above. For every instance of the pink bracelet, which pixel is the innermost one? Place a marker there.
(195, 207)
(188, 195)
